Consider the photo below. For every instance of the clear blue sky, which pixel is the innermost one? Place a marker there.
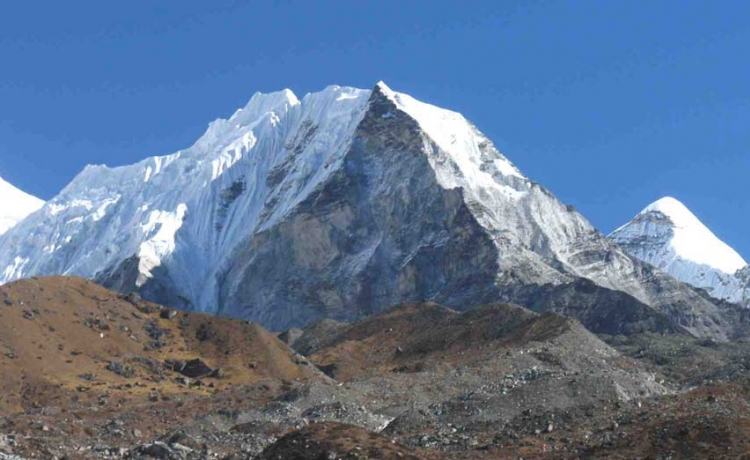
(610, 104)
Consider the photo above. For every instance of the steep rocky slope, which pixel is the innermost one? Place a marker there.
(337, 205)
(670, 237)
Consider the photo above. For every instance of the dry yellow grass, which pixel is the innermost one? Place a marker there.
(54, 330)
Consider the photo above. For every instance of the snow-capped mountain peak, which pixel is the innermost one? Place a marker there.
(15, 205)
(337, 204)
(692, 240)
(669, 236)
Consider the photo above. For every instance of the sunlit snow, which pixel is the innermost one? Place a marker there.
(694, 241)
(160, 230)
(15, 205)
(670, 237)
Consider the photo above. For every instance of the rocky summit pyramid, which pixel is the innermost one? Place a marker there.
(669, 236)
(336, 205)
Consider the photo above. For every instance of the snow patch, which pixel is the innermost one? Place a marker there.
(346, 96)
(15, 271)
(160, 231)
(102, 210)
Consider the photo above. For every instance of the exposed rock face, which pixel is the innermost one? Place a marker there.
(381, 229)
(336, 206)
(670, 237)
(601, 310)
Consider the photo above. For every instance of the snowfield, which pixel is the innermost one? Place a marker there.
(15, 205)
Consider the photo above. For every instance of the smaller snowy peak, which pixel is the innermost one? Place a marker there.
(667, 235)
(692, 240)
(677, 212)
(15, 205)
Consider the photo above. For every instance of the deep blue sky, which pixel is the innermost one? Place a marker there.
(610, 104)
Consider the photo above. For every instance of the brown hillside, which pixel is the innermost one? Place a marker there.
(68, 340)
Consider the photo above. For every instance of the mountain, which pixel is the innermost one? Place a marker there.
(667, 235)
(15, 205)
(336, 205)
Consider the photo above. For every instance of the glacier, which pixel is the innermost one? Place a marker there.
(335, 205)
(669, 236)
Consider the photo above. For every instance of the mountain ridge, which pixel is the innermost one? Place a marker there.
(371, 198)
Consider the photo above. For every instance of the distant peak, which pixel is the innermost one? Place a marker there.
(690, 239)
(666, 205)
(677, 212)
